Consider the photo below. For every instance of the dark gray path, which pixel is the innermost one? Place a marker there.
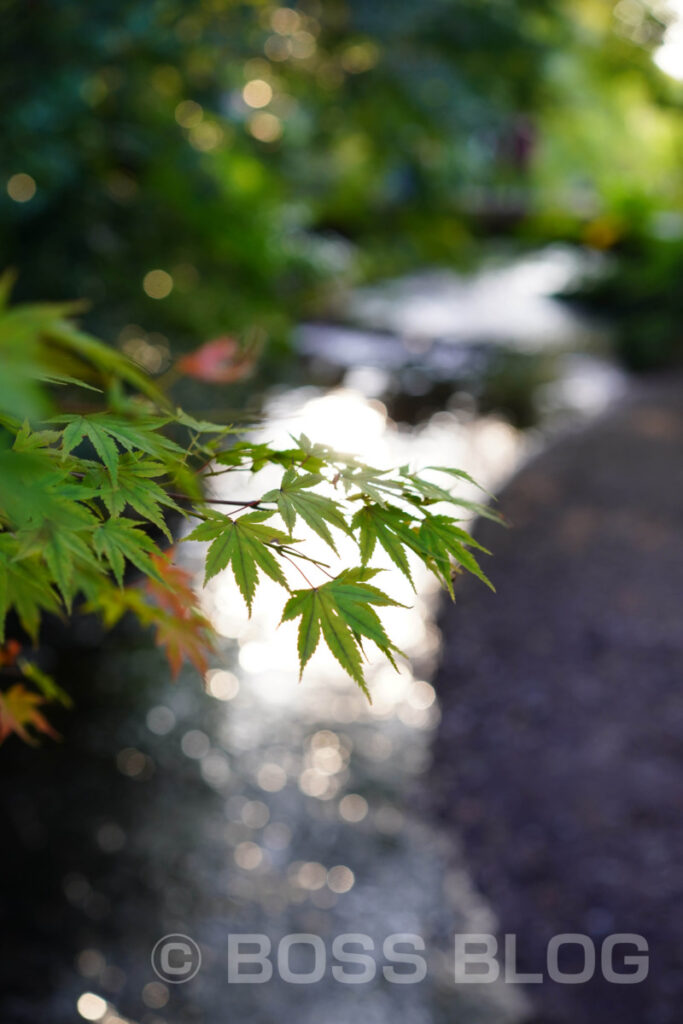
(560, 753)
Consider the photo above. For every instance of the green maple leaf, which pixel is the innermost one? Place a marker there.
(30, 487)
(48, 523)
(441, 541)
(421, 491)
(394, 531)
(54, 377)
(372, 484)
(65, 550)
(459, 474)
(45, 683)
(106, 433)
(135, 487)
(260, 455)
(294, 498)
(82, 427)
(120, 540)
(341, 612)
(242, 544)
(24, 587)
(245, 452)
(202, 426)
(28, 440)
(141, 435)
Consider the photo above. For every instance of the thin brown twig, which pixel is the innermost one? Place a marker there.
(292, 562)
(216, 501)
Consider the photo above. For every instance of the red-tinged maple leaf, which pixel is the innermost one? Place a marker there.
(219, 361)
(181, 629)
(177, 597)
(19, 712)
(9, 652)
(189, 638)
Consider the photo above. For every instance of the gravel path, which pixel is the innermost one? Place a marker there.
(559, 758)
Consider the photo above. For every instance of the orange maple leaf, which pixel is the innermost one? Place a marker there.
(181, 629)
(19, 711)
(185, 639)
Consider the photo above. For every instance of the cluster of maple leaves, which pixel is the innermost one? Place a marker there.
(86, 491)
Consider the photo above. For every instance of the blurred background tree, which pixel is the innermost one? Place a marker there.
(195, 168)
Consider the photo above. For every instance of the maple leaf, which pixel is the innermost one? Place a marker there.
(168, 605)
(424, 491)
(459, 474)
(372, 484)
(392, 528)
(202, 426)
(106, 433)
(187, 638)
(294, 498)
(62, 540)
(135, 487)
(32, 487)
(19, 713)
(28, 440)
(45, 683)
(82, 427)
(120, 540)
(112, 602)
(23, 586)
(181, 629)
(341, 612)
(442, 541)
(259, 455)
(241, 543)
(172, 590)
(220, 361)
(65, 551)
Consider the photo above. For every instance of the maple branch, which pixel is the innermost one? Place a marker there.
(256, 503)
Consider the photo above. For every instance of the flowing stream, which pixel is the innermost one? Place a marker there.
(271, 806)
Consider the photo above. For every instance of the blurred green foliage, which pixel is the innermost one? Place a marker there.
(261, 156)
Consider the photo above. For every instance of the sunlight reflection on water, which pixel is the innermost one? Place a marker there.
(349, 422)
(322, 789)
(285, 806)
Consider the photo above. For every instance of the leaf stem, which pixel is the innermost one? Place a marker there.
(292, 562)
